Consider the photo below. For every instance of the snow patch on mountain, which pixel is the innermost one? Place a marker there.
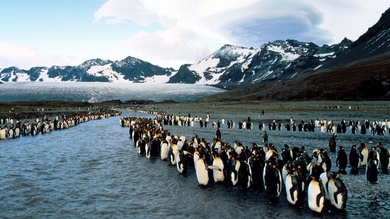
(107, 72)
(287, 56)
(204, 65)
(43, 76)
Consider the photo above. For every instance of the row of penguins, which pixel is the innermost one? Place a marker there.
(260, 168)
(14, 128)
(375, 127)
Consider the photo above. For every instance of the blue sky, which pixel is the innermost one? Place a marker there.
(168, 32)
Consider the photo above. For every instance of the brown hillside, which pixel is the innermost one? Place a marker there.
(367, 80)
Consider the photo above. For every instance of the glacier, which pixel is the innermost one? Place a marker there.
(101, 91)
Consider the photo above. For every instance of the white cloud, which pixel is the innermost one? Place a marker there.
(116, 11)
(177, 43)
(25, 57)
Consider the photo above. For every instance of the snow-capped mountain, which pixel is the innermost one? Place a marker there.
(230, 65)
(280, 60)
(127, 70)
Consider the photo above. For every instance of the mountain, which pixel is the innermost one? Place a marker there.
(278, 60)
(228, 66)
(94, 70)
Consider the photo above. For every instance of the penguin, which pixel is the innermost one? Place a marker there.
(270, 153)
(371, 172)
(338, 192)
(325, 176)
(384, 158)
(180, 144)
(218, 147)
(294, 189)
(235, 166)
(164, 151)
(257, 172)
(374, 155)
(363, 149)
(140, 146)
(244, 176)
(354, 160)
(181, 163)
(173, 154)
(326, 158)
(285, 170)
(332, 143)
(196, 156)
(315, 191)
(218, 175)
(202, 172)
(3, 132)
(272, 181)
(155, 147)
(342, 160)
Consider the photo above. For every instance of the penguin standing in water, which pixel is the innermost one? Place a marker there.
(354, 160)
(372, 170)
(141, 146)
(272, 181)
(202, 172)
(153, 148)
(164, 150)
(315, 190)
(182, 162)
(338, 193)
(218, 175)
(173, 153)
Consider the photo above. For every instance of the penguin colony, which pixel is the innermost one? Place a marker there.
(366, 127)
(14, 128)
(303, 176)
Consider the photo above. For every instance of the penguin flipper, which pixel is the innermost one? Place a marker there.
(292, 195)
(212, 167)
